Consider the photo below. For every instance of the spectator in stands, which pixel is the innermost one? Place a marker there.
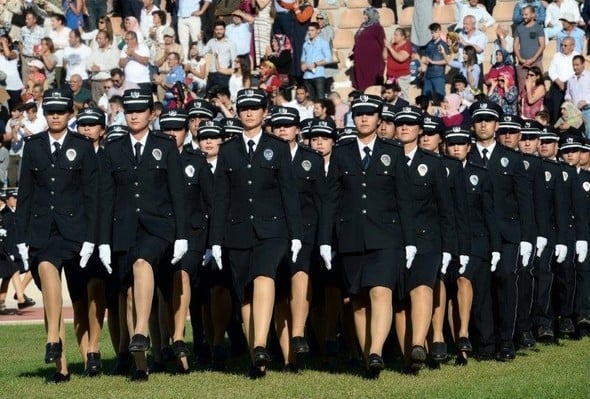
(326, 30)
(32, 124)
(533, 93)
(168, 83)
(471, 36)
(146, 20)
(468, 67)
(279, 52)
(15, 135)
(131, 24)
(120, 84)
(303, 11)
(301, 103)
(569, 22)
(324, 109)
(462, 89)
(224, 52)
(196, 69)
(225, 8)
(74, 15)
(269, 77)
(240, 79)
(399, 56)
(368, 52)
(560, 70)
(262, 23)
(504, 41)
(585, 14)
(36, 77)
(340, 109)
(9, 65)
(529, 44)
(391, 95)
(553, 16)
(76, 57)
(46, 55)
(240, 33)
(97, 10)
(316, 53)
(421, 22)
(222, 99)
(60, 35)
(451, 114)
(135, 59)
(104, 23)
(502, 65)
(571, 117)
(578, 90)
(101, 62)
(116, 115)
(538, 10)
(189, 21)
(159, 24)
(80, 93)
(161, 57)
(29, 41)
(504, 92)
(433, 57)
(483, 18)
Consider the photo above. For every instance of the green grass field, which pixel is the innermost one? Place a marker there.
(552, 372)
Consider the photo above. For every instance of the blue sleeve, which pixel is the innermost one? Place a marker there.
(517, 14)
(326, 53)
(540, 12)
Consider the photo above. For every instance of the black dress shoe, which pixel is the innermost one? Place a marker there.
(139, 376)
(180, 370)
(526, 340)
(93, 364)
(375, 362)
(7, 312)
(157, 367)
(261, 357)
(254, 373)
(169, 354)
(439, 351)
(139, 343)
(26, 304)
(566, 326)
(506, 351)
(291, 368)
(53, 352)
(584, 321)
(485, 355)
(123, 364)
(418, 354)
(218, 358)
(180, 349)
(58, 377)
(410, 370)
(300, 345)
(464, 344)
(460, 361)
(545, 334)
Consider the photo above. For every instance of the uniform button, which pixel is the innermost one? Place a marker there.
(275, 218)
(136, 183)
(52, 165)
(250, 200)
(249, 182)
(364, 196)
(137, 210)
(385, 172)
(364, 184)
(364, 211)
(53, 179)
(51, 207)
(135, 167)
(251, 217)
(364, 173)
(52, 193)
(249, 166)
(136, 195)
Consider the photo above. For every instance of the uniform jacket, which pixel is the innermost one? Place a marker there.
(369, 209)
(513, 200)
(458, 187)
(150, 194)
(558, 207)
(578, 217)
(254, 200)
(533, 166)
(63, 191)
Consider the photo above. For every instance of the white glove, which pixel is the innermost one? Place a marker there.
(216, 253)
(463, 261)
(295, 248)
(12, 258)
(180, 248)
(446, 259)
(526, 249)
(581, 250)
(495, 260)
(411, 251)
(86, 253)
(23, 251)
(207, 257)
(541, 244)
(326, 254)
(3, 232)
(560, 252)
(104, 254)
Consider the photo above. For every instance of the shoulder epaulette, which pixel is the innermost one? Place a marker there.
(34, 136)
(430, 153)
(157, 133)
(310, 150)
(78, 135)
(394, 142)
(229, 140)
(476, 165)
(272, 136)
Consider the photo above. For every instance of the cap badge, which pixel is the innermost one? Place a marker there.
(134, 94)
(427, 120)
(527, 125)
(456, 129)
(71, 154)
(483, 106)
(209, 123)
(508, 118)
(406, 109)
(189, 170)
(157, 154)
(386, 159)
(504, 161)
(56, 94)
(283, 110)
(474, 180)
(364, 98)
(268, 154)
(570, 140)
(172, 112)
(249, 92)
(306, 165)
(323, 124)
(229, 122)
(526, 164)
(547, 176)
(422, 169)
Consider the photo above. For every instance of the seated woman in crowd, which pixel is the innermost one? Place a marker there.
(504, 92)
(451, 115)
(195, 67)
(240, 79)
(532, 94)
(571, 117)
(269, 77)
(280, 54)
(468, 67)
(502, 65)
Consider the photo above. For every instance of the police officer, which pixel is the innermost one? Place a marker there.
(387, 127)
(512, 201)
(144, 212)
(198, 110)
(255, 214)
(473, 281)
(582, 299)
(371, 209)
(57, 213)
(436, 238)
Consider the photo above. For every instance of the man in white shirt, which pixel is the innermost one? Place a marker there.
(224, 52)
(135, 60)
(560, 70)
(240, 33)
(578, 90)
(189, 21)
(146, 20)
(76, 57)
(482, 17)
(101, 62)
(60, 35)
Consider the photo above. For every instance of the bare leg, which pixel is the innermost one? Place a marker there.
(262, 305)
(18, 287)
(282, 320)
(62, 363)
(96, 310)
(143, 292)
(81, 326)
(181, 300)
(361, 315)
(52, 300)
(299, 302)
(246, 310)
(381, 317)
(464, 299)
(421, 313)
(438, 316)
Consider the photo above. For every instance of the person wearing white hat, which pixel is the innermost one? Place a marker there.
(570, 29)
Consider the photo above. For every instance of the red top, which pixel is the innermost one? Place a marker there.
(396, 69)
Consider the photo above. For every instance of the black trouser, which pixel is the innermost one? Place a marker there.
(542, 304)
(481, 309)
(524, 321)
(565, 283)
(582, 300)
(505, 291)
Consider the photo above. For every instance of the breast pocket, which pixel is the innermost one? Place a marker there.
(122, 174)
(422, 187)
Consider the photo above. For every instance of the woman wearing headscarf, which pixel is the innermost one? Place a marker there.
(452, 113)
(502, 65)
(571, 117)
(504, 92)
(369, 53)
(326, 30)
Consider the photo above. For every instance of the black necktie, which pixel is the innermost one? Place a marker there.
(251, 149)
(137, 153)
(55, 152)
(366, 158)
(485, 156)
(408, 160)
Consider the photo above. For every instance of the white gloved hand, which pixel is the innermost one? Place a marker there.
(560, 252)
(446, 259)
(295, 248)
(326, 254)
(207, 257)
(526, 249)
(541, 244)
(581, 250)
(3, 232)
(86, 253)
(180, 248)
(216, 253)
(23, 251)
(495, 260)
(104, 254)
(463, 261)
(12, 258)
(411, 251)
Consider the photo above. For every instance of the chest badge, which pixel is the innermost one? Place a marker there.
(71, 154)
(526, 165)
(474, 180)
(504, 161)
(157, 154)
(385, 159)
(189, 170)
(586, 186)
(306, 165)
(422, 169)
(565, 176)
(268, 154)
(547, 175)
